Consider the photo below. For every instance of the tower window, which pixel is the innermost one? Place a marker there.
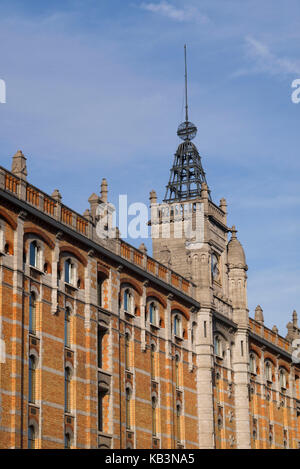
(32, 379)
(178, 421)
(128, 408)
(177, 378)
(154, 419)
(32, 313)
(67, 389)
(127, 351)
(101, 334)
(101, 395)
(31, 437)
(152, 360)
(67, 327)
(67, 440)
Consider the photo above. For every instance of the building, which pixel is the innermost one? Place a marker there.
(102, 346)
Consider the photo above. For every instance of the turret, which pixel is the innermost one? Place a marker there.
(237, 268)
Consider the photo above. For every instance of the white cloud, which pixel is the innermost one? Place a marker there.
(185, 14)
(266, 61)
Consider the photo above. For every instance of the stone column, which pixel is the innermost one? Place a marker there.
(205, 365)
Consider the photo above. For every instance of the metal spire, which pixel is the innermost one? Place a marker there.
(187, 174)
(186, 96)
(186, 130)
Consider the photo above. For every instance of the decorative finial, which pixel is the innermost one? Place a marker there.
(259, 317)
(275, 329)
(56, 195)
(223, 205)
(153, 197)
(104, 190)
(19, 167)
(233, 232)
(186, 130)
(295, 318)
(143, 248)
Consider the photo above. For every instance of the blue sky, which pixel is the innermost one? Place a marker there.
(95, 89)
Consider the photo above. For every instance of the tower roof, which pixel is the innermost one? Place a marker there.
(236, 253)
(187, 174)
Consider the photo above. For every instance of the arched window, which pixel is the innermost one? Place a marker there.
(177, 326)
(128, 408)
(69, 272)
(31, 437)
(268, 371)
(67, 327)
(154, 419)
(128, 301)
(252, 363)
(178, 422)
(67, 389)
(33, 254)
(282, 378)
(127, 351)
(32, 313)
(67, 440)
(153, 314)
(32, 379)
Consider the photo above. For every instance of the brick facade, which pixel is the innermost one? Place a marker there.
(128, 379)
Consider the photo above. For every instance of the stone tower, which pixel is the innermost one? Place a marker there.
(190, 235)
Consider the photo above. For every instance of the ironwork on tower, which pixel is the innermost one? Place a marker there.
(187, 174)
